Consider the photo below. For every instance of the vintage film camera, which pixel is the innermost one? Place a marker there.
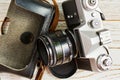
(82, 45)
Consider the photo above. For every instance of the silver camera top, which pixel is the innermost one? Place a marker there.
(91, 37)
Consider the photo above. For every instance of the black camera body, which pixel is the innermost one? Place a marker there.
(82, 45)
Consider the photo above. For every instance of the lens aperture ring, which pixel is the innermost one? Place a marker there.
(57, 47)
(66, 46)
(48, 49)
(53, 54)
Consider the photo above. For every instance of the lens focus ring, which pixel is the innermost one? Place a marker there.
(55, 48)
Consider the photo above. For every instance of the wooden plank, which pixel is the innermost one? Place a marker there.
(110, 8)
(6, 76)
(5, 1)
(4, 5)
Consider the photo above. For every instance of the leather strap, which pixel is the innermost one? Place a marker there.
(52, 28)
(40, 72)
(56, 17)
(5, 26)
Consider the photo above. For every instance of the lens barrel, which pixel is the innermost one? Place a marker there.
(57, 48)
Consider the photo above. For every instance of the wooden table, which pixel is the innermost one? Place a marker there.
(111, 9)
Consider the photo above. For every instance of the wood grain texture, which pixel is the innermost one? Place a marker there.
(4, 5)
(111, 9)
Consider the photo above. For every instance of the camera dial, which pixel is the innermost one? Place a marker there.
(90, 4)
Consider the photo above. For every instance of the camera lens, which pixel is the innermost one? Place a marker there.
(57, 48)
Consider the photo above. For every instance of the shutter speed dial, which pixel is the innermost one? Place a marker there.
(90, 4)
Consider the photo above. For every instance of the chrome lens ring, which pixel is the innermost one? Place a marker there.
(66, 46)
(58, 53)
(45, 50)
(58, 48)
